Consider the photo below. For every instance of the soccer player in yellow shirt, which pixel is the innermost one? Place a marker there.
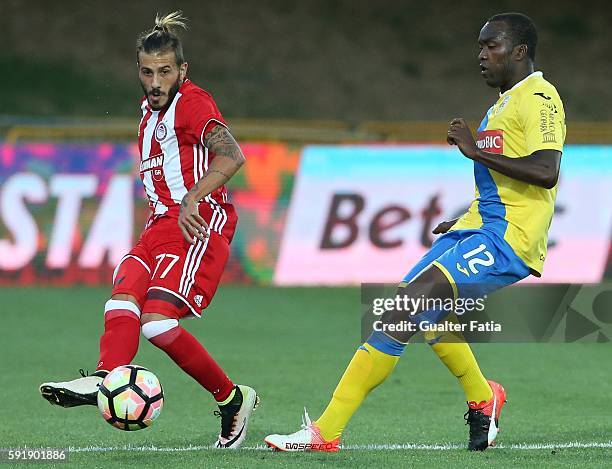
(500, 240)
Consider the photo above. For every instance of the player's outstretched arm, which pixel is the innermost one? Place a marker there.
(227, 161)
(541, 168)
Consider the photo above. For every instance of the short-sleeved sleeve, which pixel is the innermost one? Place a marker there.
(202, 114)
(543, 119)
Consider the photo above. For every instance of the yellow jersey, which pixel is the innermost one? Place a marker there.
(526, 118)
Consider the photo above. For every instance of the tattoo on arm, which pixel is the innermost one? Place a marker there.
(221, 142)
(226, 176)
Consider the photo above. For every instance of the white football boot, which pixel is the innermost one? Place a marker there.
(80, 391)
(235, 417)
(307, 439)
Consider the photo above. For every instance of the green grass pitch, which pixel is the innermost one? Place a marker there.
(292, 344)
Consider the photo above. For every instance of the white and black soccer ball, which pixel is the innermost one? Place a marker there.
(130, 398)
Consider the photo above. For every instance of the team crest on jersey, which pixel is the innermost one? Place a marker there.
(161, 132)
(198, 300)
(491, 141)
(502, 105)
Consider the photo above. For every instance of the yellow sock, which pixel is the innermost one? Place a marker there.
(368, 368)
(457, 355)
(461, 362)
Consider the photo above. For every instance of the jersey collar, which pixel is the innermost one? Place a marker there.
(534, 74)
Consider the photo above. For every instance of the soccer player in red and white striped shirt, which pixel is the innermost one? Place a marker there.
(187, 156)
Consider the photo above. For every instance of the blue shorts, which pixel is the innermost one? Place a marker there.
(476, 262)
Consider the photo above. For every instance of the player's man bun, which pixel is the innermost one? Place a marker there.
(171, 22)
(163, 37)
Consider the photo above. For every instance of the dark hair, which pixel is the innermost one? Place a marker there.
(163, 36)
(522, 30)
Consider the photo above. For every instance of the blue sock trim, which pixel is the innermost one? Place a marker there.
(435, 340)
(385, 344)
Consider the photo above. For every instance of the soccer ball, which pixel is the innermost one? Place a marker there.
(130, 398)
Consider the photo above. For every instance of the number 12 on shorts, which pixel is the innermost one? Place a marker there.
(173, 260)
(474, 261)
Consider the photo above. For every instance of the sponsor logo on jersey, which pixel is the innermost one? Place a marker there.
(161, 131)
(491, 141)
(158, 175)
(542, 95)
(548, 122)
(156, 162)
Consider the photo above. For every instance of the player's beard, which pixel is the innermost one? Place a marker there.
(171, 94)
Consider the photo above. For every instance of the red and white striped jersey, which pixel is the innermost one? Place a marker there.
(173, 156)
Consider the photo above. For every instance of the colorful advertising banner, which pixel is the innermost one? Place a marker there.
(365, 213)
(70, 212)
